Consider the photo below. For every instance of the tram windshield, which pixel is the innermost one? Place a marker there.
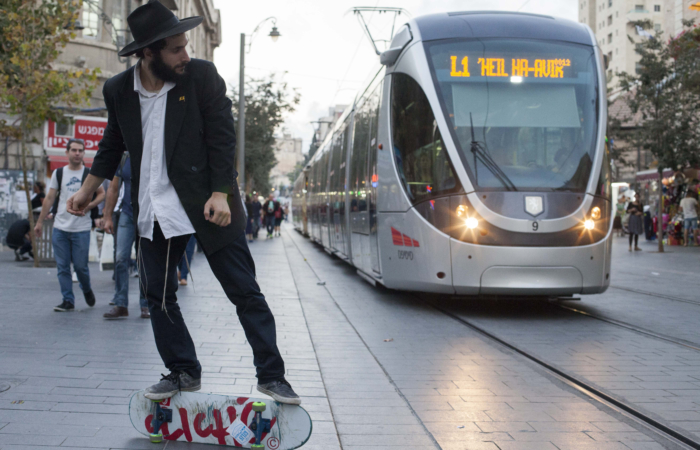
(531, 107)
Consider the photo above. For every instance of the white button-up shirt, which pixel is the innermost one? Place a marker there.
(157, 197)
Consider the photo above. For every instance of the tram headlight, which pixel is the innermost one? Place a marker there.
(461, 211)
(471, 223)
(595, 213)
(589, 224)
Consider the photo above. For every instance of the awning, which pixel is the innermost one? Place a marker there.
(56, 161)
(652, 174)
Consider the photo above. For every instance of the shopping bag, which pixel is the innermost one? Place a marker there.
(107, 254)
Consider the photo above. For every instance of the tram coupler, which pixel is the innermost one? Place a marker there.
(259, 426)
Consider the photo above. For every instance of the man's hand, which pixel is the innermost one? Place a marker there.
(216, 209)
(78, 203)
(37, 229)
(108, 225)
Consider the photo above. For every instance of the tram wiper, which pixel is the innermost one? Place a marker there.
(481, 155)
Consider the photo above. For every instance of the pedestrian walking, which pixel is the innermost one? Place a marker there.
(38, 195)
(71, 233)
(636, 223)
(619, 212)
(269, 210)
(257, 210)
(279, 214)
(250, 224)
(173, 116)
(183, 269)
(689, 208)
(119, 221)
(19, 240)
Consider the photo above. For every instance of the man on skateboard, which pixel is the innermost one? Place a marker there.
(172, 115)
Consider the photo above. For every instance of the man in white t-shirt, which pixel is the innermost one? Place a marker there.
(689, 207)
(71, 234)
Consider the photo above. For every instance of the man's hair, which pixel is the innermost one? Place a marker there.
(155, 47)
(75, 141)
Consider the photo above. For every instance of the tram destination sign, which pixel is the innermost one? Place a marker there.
(466, 66)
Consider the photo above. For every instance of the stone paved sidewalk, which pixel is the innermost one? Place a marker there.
(71, 374)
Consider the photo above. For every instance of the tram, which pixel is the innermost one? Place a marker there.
(474, 162)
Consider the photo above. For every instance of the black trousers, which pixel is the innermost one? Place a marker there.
(270, 224)
(26, 247)
(233, 266)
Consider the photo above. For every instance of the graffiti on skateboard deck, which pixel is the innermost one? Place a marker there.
(221, 420)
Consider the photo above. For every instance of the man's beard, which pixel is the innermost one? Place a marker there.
(163, 71)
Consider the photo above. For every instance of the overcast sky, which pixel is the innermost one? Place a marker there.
(323, 52)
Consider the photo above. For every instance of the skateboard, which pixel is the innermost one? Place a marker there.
(221, 420)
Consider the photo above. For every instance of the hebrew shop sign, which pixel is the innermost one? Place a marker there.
(89, 129)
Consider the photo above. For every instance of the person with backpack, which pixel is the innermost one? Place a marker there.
(71, 234)
(269, 209)
(279, 215)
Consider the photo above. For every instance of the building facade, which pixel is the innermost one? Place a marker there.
(612, 21)
(325, 124)
(288, 154)
(95, 46)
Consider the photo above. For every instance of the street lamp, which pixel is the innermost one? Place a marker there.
(274, 34)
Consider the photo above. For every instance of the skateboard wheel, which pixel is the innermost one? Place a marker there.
(258, 445)
(156, 438)
(258, 407)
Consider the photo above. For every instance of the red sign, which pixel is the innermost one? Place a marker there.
(89, 129)
(401, 239)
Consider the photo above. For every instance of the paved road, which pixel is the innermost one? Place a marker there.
(376, 369)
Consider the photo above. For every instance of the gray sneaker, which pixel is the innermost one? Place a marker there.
(171, 384)
(280, 391)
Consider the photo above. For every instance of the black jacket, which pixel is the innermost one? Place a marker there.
(199, 146)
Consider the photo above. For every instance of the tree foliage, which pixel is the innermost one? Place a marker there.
(666, 96)
(32, 35)
(267, 101)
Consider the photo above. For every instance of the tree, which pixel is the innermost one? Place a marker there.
(665, 94)
(266, 103)
(32, 35)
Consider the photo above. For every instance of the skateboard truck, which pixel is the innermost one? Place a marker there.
(160, 416)
(259, 425)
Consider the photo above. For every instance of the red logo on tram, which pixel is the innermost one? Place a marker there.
(402, 240)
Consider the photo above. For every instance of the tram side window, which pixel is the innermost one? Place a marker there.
(358, 163)
(424, 166)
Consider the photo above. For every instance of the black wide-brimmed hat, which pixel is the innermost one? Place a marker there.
(152, 22)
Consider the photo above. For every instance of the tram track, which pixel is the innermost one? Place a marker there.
(654, 294)
(634, 328)
(585, 387)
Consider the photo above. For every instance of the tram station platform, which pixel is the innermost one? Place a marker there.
(376, 369)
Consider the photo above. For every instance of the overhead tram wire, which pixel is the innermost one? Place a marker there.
(351, 61)
(340, 85)
(523, 5)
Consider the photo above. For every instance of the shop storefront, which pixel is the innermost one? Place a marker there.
(674, 185)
